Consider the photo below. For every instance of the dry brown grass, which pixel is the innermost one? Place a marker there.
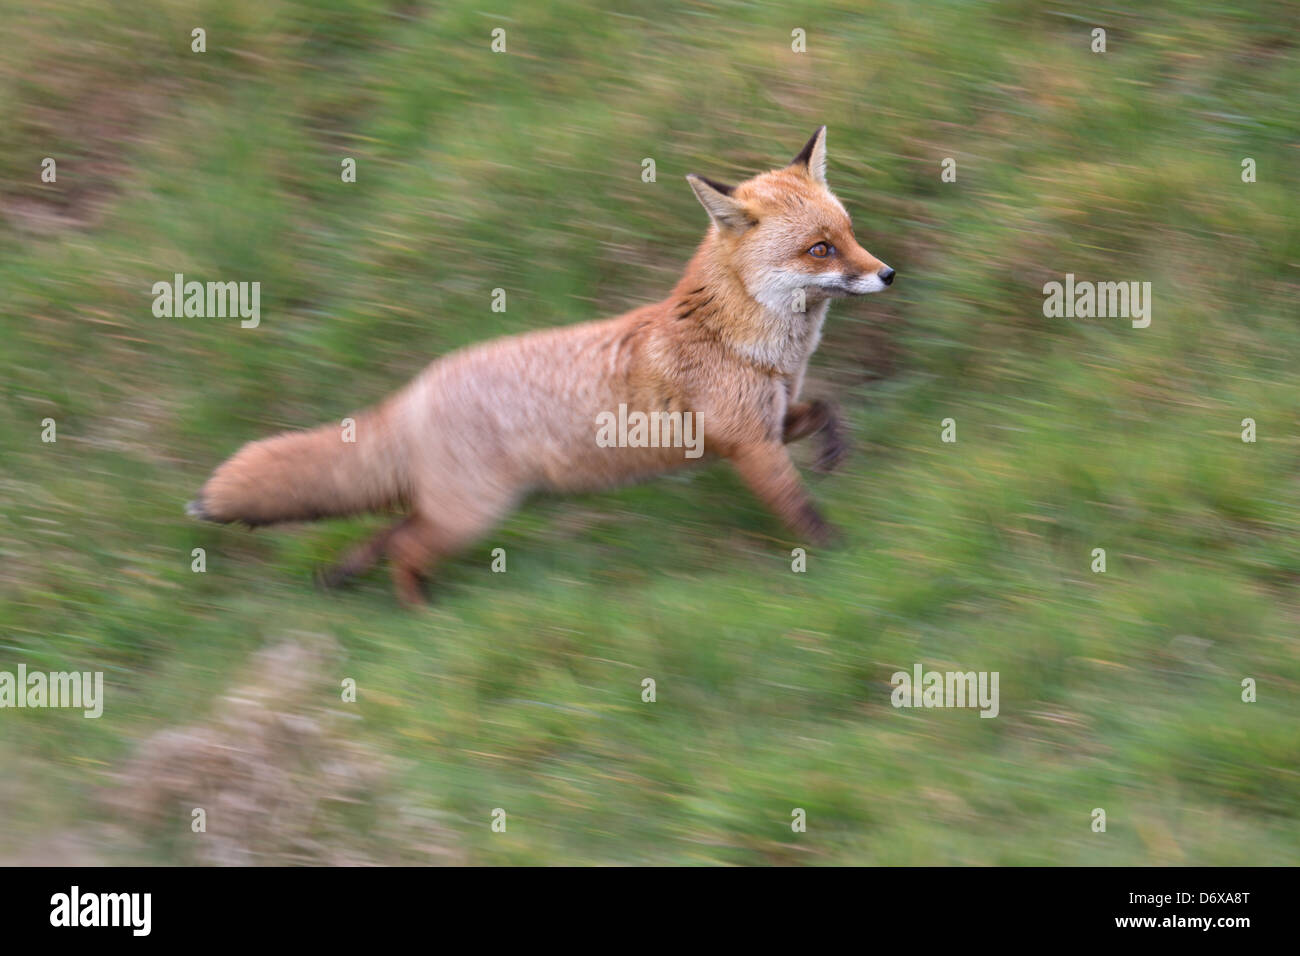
(280, 774)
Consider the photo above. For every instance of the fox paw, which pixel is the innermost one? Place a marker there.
(834, 446)
(332, 578)
(832, 537)
(818, 530)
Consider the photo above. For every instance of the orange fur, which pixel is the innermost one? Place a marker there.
(480, 428)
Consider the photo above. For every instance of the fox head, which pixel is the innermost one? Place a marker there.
(784, 231)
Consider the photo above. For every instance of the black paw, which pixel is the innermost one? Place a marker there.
(834, 444)
(332, 578)
(820, 531)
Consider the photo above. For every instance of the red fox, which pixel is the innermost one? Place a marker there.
(482, 427)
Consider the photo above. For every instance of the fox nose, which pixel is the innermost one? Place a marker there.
(886, 275)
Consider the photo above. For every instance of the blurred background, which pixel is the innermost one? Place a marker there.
(522, 691)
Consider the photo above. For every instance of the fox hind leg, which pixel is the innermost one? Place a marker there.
(429, 536)
(360, 559)
(411, 548)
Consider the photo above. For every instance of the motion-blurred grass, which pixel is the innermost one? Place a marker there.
(523, 171)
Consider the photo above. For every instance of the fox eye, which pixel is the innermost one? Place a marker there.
(821, 250)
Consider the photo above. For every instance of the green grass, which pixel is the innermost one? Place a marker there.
(522, 171)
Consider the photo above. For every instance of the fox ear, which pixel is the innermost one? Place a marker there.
(813, 156)
(717, 200)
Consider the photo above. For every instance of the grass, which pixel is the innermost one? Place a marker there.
(522, 171)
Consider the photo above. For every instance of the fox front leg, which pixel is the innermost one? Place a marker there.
(817, 417)
(768, 471)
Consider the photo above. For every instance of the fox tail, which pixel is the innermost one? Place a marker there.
(305, 475)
